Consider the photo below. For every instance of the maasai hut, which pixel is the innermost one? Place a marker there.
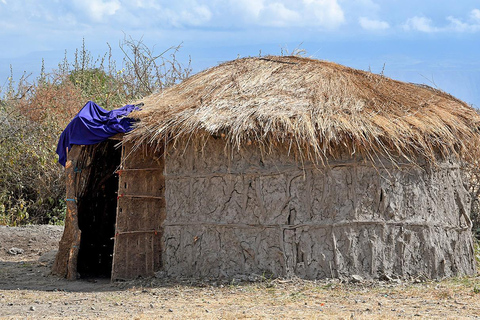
(285, 166)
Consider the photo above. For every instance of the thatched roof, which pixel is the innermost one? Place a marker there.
(313, 107)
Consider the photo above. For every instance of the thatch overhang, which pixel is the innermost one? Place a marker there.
(316, 109)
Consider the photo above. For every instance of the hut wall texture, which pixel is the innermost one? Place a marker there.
(241, 213)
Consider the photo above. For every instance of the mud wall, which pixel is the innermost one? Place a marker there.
(232, 213)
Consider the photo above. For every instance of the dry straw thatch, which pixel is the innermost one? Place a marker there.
(314, 108)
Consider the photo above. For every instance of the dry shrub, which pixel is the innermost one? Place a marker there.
(472, 183)
(33, 113)
(53, 104)
(472, 178)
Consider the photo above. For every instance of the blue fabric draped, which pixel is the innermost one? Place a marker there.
(92, 125)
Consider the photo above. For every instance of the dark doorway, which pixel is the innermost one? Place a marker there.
(97, 208)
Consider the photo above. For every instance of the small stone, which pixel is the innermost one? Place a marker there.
(93, 308)
(170, 310)
(32, 308)
(253, 278)
(152, 306)
(356, 278)
(14, 251)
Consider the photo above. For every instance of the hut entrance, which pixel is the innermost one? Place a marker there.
(114, 222)
(97, 206)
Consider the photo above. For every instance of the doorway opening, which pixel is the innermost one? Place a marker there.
(97, 207)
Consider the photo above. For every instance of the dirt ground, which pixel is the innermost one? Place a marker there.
(28, 291)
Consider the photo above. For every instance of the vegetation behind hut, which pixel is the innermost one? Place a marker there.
(33, 113)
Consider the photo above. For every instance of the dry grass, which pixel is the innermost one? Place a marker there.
(297, 299)
(314, 108)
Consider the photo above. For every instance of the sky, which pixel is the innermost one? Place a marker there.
(423, 41)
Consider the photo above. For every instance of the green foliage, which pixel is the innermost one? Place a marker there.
(33, 113)
(12, 213)
(92, 82)
(476, 250)
(57, 215)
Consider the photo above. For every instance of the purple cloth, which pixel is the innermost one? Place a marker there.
(92, 125)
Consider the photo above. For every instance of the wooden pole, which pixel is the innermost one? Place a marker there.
(65, 264)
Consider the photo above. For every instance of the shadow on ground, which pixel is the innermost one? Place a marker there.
(32, 275)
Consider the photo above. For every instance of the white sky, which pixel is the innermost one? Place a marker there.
(433, 42)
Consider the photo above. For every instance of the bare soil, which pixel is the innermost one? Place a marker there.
(27, 290)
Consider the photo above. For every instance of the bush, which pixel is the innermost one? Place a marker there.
(32, 182)
(34, 113)
(473, 180)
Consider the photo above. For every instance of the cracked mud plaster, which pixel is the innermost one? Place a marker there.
(238, 212)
